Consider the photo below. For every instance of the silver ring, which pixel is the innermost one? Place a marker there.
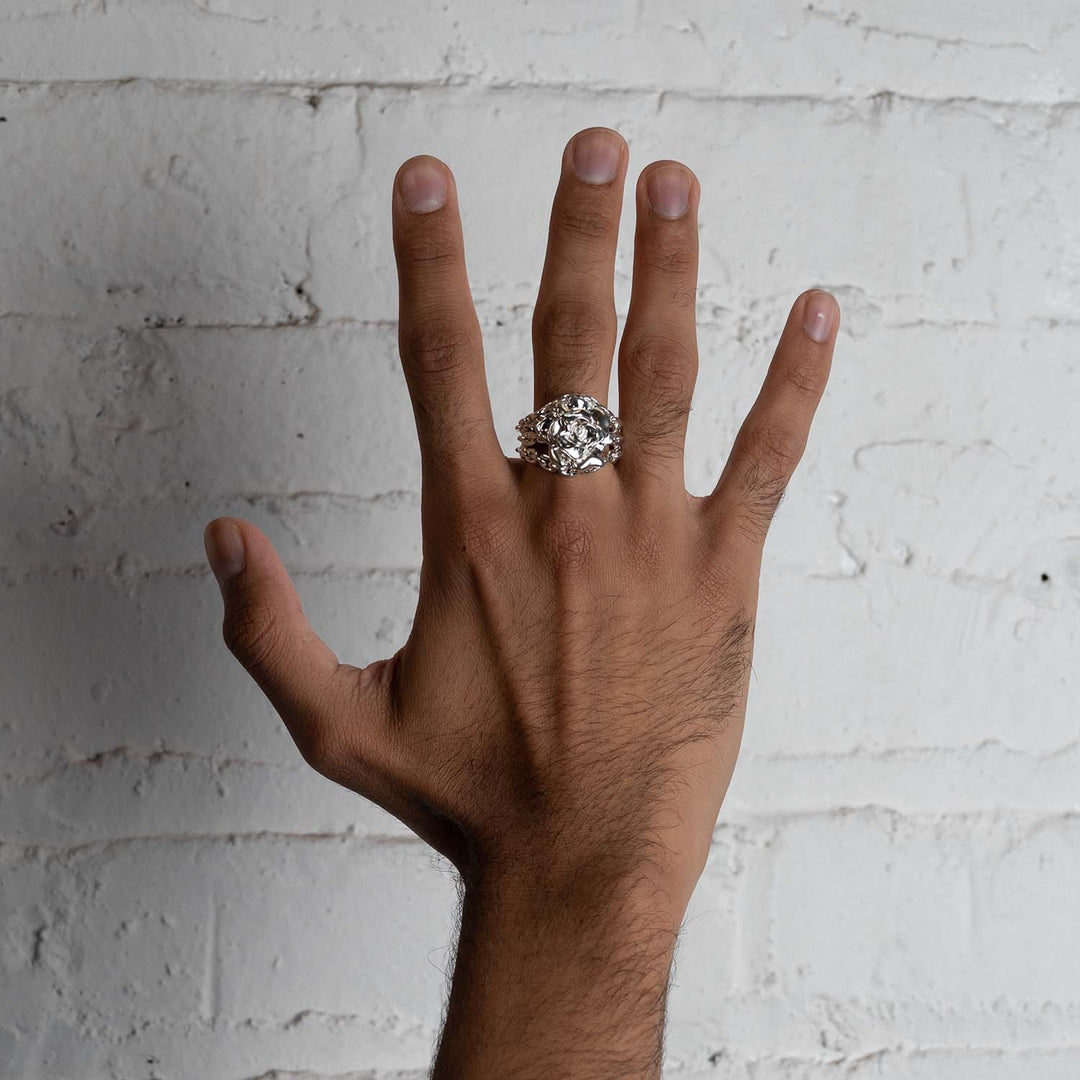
(572, 434)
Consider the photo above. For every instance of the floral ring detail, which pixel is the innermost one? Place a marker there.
(571, 435)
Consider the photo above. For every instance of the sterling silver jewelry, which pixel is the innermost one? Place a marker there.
(572, 434)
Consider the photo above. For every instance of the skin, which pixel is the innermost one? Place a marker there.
(564, 719)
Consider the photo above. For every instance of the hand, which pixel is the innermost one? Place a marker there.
(563, 721)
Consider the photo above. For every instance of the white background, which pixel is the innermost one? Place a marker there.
(197, 306)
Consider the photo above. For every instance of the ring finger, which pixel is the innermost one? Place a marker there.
(658, 354)
(574, 325)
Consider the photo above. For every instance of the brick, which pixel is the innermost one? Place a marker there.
(185, 208)
(779, 48)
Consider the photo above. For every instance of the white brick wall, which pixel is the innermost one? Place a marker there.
(196, 317)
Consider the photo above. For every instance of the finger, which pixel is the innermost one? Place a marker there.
(658, 353)
(771, 441)
(320, 700)
(574, 325)
(438, 332)
(266, 630)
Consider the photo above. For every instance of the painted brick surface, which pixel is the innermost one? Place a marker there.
(197, 316)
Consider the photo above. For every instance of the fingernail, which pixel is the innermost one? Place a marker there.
(224, 550)
(668, 189)
(423, 186)
(819, 316)
(596, 156)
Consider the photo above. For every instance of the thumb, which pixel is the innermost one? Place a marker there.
(266, 630)
(319, 699)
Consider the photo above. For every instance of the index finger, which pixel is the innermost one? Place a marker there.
(438, 333)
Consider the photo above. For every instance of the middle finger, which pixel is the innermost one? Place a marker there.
(574, 325)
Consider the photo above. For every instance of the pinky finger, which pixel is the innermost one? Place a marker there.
(772, 438)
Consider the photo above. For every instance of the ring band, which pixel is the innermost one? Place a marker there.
(571, 435)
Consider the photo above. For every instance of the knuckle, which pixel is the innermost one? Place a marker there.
(669, 261)
(567, 539)
(429, 248)
(666, 367)
(438, 344)
(254, 634)
(574, 328)
(663, 371)
(805, 375)
(582, 221)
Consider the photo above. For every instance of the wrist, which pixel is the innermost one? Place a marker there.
(585, 897)
(588, 966)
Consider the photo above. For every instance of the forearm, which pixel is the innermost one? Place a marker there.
(558, 986)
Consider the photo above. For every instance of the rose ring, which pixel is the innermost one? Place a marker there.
(572, 434)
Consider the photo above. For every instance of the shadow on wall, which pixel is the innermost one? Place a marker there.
(118, 447)
(160, 836)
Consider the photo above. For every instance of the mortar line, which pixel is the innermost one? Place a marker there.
(468, 83)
